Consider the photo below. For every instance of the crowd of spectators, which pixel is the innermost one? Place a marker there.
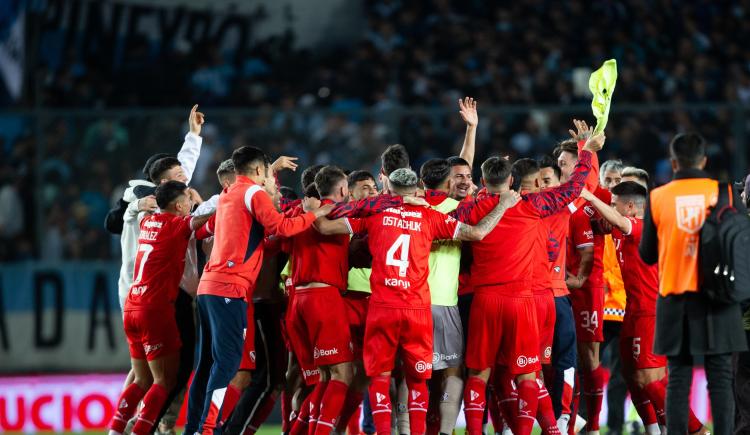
(343, 105)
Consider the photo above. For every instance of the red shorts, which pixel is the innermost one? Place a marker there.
(503, 330)
(248, 348)
(356, 310)
(545, 316)
(637, 343)
(405, 330)
(152, 333)
(588, 310)
(316, 327)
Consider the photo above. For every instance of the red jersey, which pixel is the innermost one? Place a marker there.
(559, 226)
(641, 280)
(159, 262)
(542, 282)
(319, 258)
(400, 240)
(505, 258)
(582, 236)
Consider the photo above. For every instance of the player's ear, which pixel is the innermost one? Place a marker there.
(481, 180)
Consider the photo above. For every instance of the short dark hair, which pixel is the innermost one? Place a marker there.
(549, 162)
(327, 179)
(159, 167)
(246, 156)
(495, 171)
(168, 192)
(521, 169)
(394, 157)
(357, 176)
(311, 191)
(288, 193)
(308, 175)
(630, 189)
(225, 168)
(688, 149)
(568, 145)
(150, 162)
(457, 161)
(434, 172)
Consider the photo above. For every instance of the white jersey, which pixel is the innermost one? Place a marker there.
(188, 157)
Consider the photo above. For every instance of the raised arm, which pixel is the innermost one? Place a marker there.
(551, 201)
(608, 212)
(329, 227)
(649, 247)
(477, 232)
(468, 111)
(370, 206)
(259, 204)
(191, 148)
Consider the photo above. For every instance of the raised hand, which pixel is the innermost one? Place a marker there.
(284, 162)
(582, 132)
(585, 194)
(468, 110)
(147, 204)
(196, 120)
(595, 143)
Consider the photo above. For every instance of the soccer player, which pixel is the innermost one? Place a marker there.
(394, 157)
(645, 371)
(638, 175)
(149, 312)
(585, 281)
(399, 318)
(448, 340)
(503, 302)
(244, 212)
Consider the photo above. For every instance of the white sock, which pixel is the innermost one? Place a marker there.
(653, 429)
(403, 409)
(112, 432)
(450, 403)
(562, 423)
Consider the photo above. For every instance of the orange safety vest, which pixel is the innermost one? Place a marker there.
(678, 210)
(614, 298)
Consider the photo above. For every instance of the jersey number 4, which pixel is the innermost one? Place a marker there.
(144, 250)
(402, 245)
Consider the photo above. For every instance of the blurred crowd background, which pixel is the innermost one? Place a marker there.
(96, 102)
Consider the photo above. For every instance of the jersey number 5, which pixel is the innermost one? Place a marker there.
(403, 261)
(141, 259)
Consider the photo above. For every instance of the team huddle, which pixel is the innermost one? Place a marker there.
(425, 291)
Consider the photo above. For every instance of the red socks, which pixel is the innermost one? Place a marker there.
(474, 404)
(330, 406)
(643, 404)
(528, 400)
(315, 398)
(493, 406)
(545, 414)
(380, 401)
(261, 414)
(350, 409)
(300, 425)
(128, 404)
(152, 404)
(593, 388)
(419, 398)
(353, 425)
(507, 397)
(231, 397)
(657, 394)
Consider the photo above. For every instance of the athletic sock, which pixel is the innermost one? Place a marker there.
(349, 410)
(656, 394)
(493, 408)
(450, 403)
(694, 425)
(545, 415)
(353, 425)
(315, 398)
(474, 404)
(301, 423)
(261, 415)
(330, 406)
(286, 412)
(231, 397)
(433, 416)
(153, 402)
(528, 400)
(419, 398)
(380, 401)
(643, 404)
(128, 405)
(507, 396)
(568, 390)
(593, 387)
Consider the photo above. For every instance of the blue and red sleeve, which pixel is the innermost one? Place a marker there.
(551, 201)
(365, 207)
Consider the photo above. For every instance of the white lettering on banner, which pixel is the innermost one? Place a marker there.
(391, 221)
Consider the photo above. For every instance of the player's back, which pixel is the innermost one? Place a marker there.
(641, 280)
(400, 239)
(159, 262)
(505, 256)
(583, 235)
(559, 225)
